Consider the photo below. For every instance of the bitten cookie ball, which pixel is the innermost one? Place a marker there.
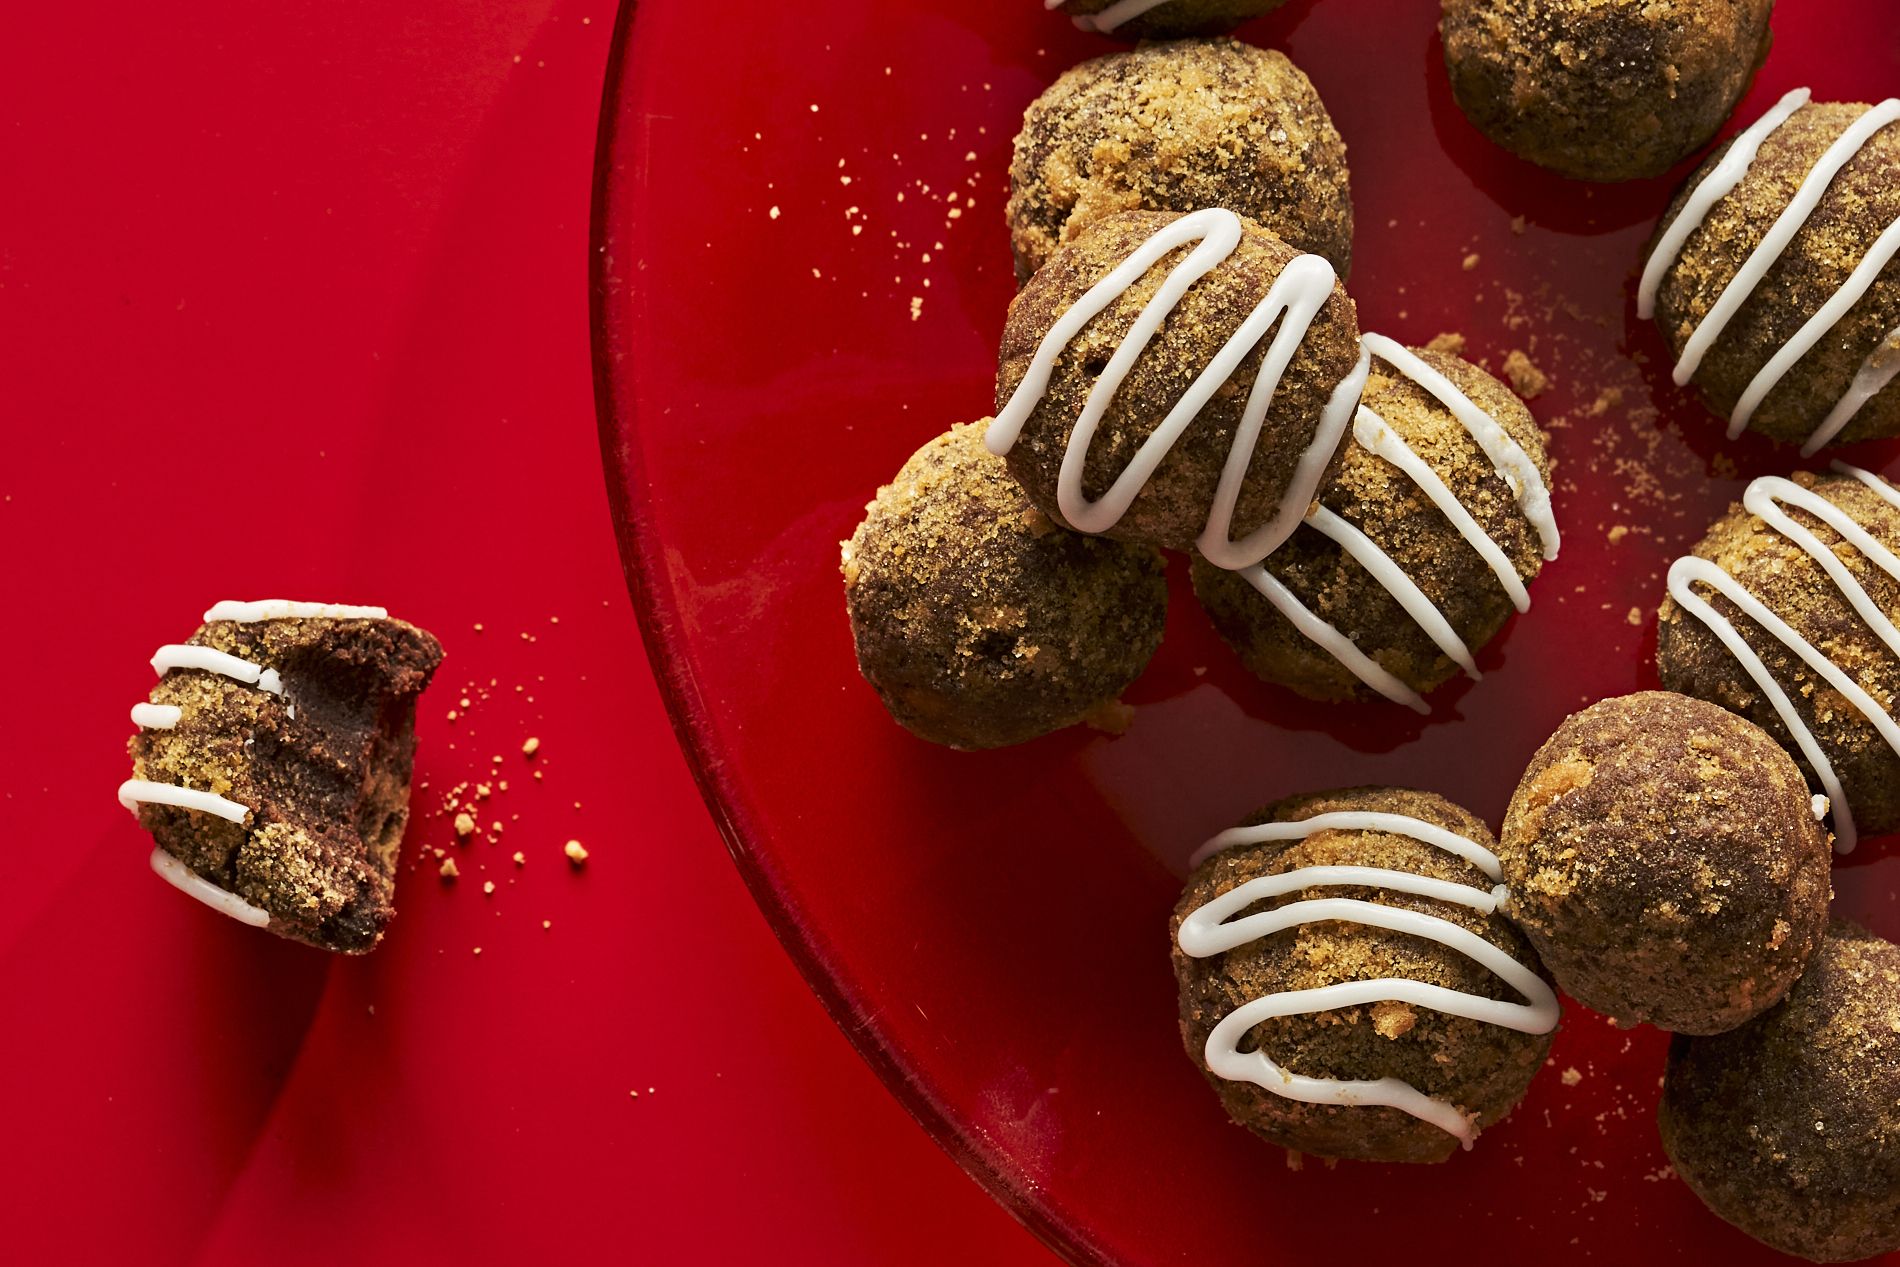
(1300, 1074)
(1602, 90)
(1664, 857)
(1469, 588)
(1163, 19)
(1789, 1127)
(1177, 127)
(1806, 344)
(272, 765)
(1820, 522)
(1174, 502)
(979, 622)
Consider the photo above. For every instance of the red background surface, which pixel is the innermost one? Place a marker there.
(293, 303)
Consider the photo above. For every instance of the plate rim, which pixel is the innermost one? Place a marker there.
(608, 320)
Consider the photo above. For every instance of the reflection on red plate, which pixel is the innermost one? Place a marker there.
(801, 273)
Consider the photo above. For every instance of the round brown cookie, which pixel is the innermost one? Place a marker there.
(1602, 89)
(1794, 587)
(1177, 127)
(322, 768)
(1390, 508)
(1172, 508)
(1664, 857)
(1482, 1070)
(1172, 17)
(981, 623)
(1859, 204)
(1789, 1127)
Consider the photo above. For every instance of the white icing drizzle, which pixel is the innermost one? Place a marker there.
(1764, 498)
(1400, 586)
(1824, 320)
(156, 716)
(1295, 298)
(178, 655)
(1329, 639)
(1513, 465)
(1374, 434)
(136, 792)
(1881, 364)
(1115, 15)
(1875, 482)
(1875, 373)
(189, 882)
(1720, 184)
(289, 609)
(1208, 931)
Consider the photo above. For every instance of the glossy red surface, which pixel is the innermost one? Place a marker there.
(801, 276)
(294, 302)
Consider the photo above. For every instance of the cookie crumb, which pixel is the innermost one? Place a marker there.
(1607, 399)
(1517, 225)
(464, 825)
(1449, 342)
(488, 886)
(576, 852)
(521, 859)
(449, 870)
(1572, 1076)
(1617, 533)
(1111, 717)
(1635, 617)
(1526, 379)
(530, 746)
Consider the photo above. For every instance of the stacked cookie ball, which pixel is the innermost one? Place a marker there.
(1183, 370)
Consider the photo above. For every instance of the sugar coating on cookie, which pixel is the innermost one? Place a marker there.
(1789, 1127)
(1180, 126)
(1665, 858)
(977, 619)
(1419, 550)
(1185, 381)
(1785, 613)
(1603, 90)
(1770, 277)
(1346, 981)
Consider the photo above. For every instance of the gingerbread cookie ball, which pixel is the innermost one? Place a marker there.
(1785, 613)
(1315, 999)
(1212, 428)
(1602, 89)
(1177, 127)
(1789, 1127)
(981, 623)
(272, 765)
(1162, 19)
(1436, 519)
(1788, 327)
(1665, 859)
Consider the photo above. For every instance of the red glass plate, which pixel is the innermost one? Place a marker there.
(800, 275)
